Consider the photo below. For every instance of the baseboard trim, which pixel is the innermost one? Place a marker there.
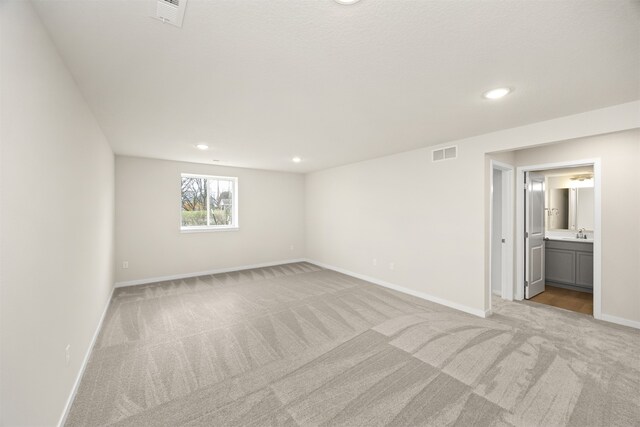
(204, 273)
(620, 321)
(76, 384)
(422, 295)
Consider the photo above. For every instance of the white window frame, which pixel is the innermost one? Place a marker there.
(208, 228)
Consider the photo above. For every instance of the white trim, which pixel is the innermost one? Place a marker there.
(597, 239)
(597, 227)
(208, 228)
(422, 295)
(507, 223)
(85, 361)
(507, 229)
(199, 175)
(204, 273)
(620, 321)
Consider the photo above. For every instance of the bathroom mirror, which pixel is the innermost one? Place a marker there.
(557, 209)
(584, 208)
(569, 208)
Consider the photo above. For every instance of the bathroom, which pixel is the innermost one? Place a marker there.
(568, 215)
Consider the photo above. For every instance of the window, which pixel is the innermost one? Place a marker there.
(208, 202)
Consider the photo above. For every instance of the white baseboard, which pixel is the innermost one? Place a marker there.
(620, 321)
(422, 295)
(76, 384)
(204, 273)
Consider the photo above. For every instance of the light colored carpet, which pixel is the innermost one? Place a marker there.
(299, 345)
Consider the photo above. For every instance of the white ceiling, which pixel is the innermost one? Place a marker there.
(261, 81)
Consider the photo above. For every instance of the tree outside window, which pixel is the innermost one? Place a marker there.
(208, 202)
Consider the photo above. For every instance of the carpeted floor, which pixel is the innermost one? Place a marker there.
(298, 345)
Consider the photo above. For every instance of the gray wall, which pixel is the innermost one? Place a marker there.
(56, 223)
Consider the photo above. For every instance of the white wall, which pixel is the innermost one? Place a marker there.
(430, 219)
(56, 225)
(271, 215)
(620, 156)
(426, 218)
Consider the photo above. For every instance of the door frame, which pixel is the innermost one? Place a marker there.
(507, 229)
(597, 224)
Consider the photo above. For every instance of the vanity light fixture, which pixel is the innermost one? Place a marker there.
(584, 181)
(346, 2)
(202, 147)
(296, 159)
(497, 93)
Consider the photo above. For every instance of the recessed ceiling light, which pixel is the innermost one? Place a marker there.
(296, 159)
(202, 146)
(497, 93)
(347, 2)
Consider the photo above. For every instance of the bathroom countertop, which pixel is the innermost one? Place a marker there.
(570, 239)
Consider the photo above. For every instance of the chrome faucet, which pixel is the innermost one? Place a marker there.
(581, 234)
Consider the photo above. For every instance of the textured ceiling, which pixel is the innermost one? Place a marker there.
(261, 81)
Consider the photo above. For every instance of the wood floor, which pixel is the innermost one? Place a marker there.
(580, 302)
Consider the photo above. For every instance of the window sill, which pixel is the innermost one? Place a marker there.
(207, 229)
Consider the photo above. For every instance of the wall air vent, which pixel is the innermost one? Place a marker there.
(168, 11)
(446, 153)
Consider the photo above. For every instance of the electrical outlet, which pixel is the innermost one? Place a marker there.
(291, 247)
(125, 264)
(374, 262)
(67, 353)
(392, 266)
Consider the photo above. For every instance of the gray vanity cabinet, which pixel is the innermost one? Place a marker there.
(569, 264)
(584, 269)
(560, 265)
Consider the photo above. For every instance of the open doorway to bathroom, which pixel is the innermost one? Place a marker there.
(554, 256)
(558, 253)
(559, 222)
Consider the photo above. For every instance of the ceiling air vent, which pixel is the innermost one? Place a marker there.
(446, 153)
(168, 11)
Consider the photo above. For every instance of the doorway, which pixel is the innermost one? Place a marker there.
(558, 247)
(501, 213)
